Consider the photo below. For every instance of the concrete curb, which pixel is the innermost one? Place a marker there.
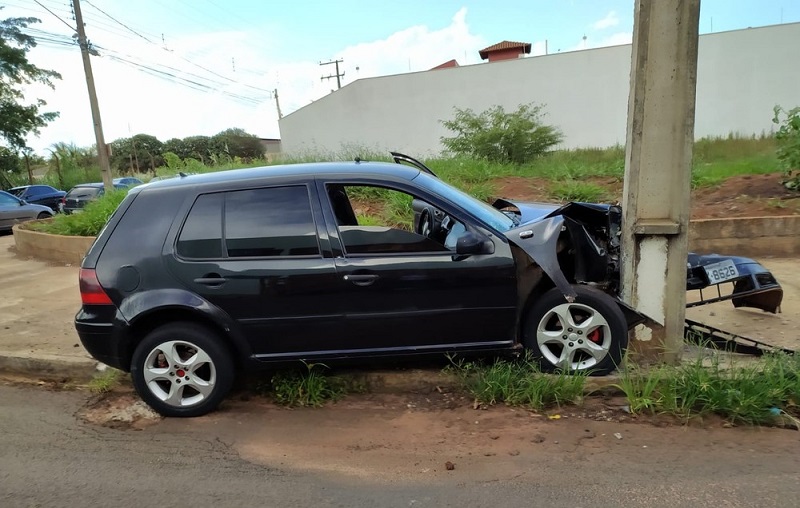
(48, 367)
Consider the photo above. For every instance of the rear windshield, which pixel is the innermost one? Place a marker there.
(84, 192)
(18, 192)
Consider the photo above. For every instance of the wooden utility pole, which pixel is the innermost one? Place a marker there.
(28, 166)
(337, 75)
(102, 149)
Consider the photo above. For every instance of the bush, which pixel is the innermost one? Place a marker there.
(788, 138)
(497, 136)
(87, 223)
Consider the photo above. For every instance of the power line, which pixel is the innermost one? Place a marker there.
(56, 15)
(112, 18)
(210, 71)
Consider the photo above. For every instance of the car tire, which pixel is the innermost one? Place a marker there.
(182, 369)
(43, 215)
(589, 334)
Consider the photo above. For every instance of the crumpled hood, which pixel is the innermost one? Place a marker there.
(531, 212)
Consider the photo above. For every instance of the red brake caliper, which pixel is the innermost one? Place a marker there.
(595, 336)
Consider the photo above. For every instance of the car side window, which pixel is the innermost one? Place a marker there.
(5, 199)
(378, 220)
(201, 236)
(270, 222)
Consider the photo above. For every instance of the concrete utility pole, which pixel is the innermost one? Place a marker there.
(102, 149)
(277, 103)
(337, 75)
(658, 159)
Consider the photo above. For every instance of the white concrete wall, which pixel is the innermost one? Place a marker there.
(742, 74)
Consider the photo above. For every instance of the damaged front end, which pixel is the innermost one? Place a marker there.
(577, 243)
(714, 278)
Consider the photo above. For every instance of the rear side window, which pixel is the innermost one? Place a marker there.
(270, 222)
(84, 192)
(201, 236)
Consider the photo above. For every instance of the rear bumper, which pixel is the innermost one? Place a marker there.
(104, 339)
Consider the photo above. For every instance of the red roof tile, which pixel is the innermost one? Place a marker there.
(525, 46)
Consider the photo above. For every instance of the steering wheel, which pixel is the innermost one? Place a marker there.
(427, 224)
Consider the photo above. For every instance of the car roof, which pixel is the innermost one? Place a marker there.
(93, 184)
(394, 170)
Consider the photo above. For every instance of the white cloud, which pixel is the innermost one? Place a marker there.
(611, 20)
(133, 101)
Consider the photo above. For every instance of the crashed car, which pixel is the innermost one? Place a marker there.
(245, 269)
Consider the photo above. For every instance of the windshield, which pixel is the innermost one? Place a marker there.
(483, 211)
(17, 191)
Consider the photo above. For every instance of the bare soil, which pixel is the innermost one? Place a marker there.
(740, 196)
(425, 436)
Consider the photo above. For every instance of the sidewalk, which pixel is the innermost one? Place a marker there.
(38, 302)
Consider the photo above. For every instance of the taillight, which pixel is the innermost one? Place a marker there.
(92, 293)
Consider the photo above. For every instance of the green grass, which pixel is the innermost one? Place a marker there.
(748, 394)
(87, 223)
(518, 383)
(575, 190)
(105, 381)
(717, 159)
(308, 387)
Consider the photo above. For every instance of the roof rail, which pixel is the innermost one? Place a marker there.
(400, 158)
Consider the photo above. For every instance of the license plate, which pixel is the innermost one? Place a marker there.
(721, 271)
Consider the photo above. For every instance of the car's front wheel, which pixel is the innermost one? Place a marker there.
(589, 334)
(182, 369)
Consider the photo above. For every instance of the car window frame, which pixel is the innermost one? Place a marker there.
(227, 258)
(340, 250)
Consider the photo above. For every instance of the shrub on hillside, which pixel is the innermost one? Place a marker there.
(497, 136)
(788, 137)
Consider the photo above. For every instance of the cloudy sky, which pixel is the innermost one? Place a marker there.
(175, 68)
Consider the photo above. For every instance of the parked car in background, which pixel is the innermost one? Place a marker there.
(78, 196)
(14, 210)
(39, 195)
(127, 181)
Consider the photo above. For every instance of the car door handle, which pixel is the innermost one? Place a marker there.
(211, 279)
(361, 280)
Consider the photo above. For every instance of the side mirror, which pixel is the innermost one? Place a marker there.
(473, 243)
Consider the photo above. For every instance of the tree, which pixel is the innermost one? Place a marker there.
(18, 119)
(140, 153)
(236, 142)
(498, 136)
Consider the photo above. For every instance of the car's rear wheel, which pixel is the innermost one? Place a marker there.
(589, 334)
(43, 216)
(182, 369)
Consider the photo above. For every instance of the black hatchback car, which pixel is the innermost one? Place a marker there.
(79, 196)
(40, 195)
(197, 277)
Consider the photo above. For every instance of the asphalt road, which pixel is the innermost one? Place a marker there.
(51, 457)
